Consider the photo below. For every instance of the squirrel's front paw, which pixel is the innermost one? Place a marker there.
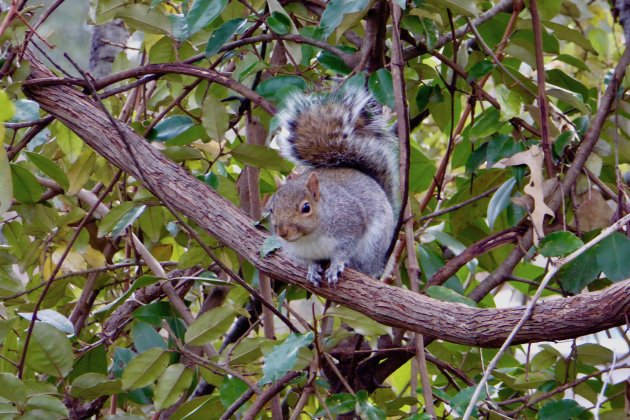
(315, 274)
(334, 271)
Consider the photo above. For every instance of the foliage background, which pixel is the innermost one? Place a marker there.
(112, 338)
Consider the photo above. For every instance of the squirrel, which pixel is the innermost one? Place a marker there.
(344, 206)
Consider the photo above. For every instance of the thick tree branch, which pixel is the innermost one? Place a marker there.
(553, 320)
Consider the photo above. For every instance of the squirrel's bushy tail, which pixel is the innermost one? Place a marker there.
(342, 129)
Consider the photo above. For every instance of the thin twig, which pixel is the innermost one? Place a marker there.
(530, 307)
(542, 97)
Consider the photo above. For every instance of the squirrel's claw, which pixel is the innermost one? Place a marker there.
(315, 274)
(334, 271)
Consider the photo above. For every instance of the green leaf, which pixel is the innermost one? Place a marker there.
(565, 33)
(559, 244)
(49, 351)
(140, 16)
(214, 117)
(7, 109)
(449, 295)
(93, 361)
(461, 400)
(478, 70)
(502, 146)
(382, 87)
(333, 62)
(145, 368)
(283, 357)
(151, 222)
(140, 282)
(80, 171)
(6, 192)
(119, 218)
(5, 327)
(260, 157)
(359, 322)
(270, 87)
(423, 96)
(53, 318)
(500, 201)
(26, 189)
(487, 123)
(580, 272)
(563, 141)
(25, 110)
(335, 11)
(69, 143)
(510, 101)
(209, 326)
(171, 385)
(270, 244)
(93, 385)
(337, 404)
(279, 23)
(571, 98)
(145, 337)
(612, 256)
(170, 128)
(366, 409)
(222, 34)
(202, 13)
(563, 409)
(49, 168)
(573, 61)
(532, 380)
(593, 354)
(231, 389)
(421, 171)
(543, 360)
(12, 388)
(204, 408)
(45, 406)
(154, 313)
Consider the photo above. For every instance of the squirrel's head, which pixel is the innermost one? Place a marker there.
(294, 208)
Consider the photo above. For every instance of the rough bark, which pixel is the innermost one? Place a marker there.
(552, 320)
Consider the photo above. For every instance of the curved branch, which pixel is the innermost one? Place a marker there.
(158, 69)
(552, 320)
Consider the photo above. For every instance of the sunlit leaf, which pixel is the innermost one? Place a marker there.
(145, 368)
(209, 326)
(558, 244)
(6, 193)
(283, 357)
(335, 11)
(26, 189)
(12, 388)
(49, 351)
(171, 385)
(202, 12)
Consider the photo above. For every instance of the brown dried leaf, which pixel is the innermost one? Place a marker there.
(592, 211)
(535, 187)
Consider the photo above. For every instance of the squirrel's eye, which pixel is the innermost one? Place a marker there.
(306, 207)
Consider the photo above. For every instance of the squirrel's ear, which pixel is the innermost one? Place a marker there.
(312, 183)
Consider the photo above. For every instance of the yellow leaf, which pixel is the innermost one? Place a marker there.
(93, 257)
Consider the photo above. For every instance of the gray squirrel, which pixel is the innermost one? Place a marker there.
(344, 207)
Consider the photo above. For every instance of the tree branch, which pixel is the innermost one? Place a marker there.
(553, 320)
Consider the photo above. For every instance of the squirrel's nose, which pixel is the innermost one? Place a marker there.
(282, 231)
